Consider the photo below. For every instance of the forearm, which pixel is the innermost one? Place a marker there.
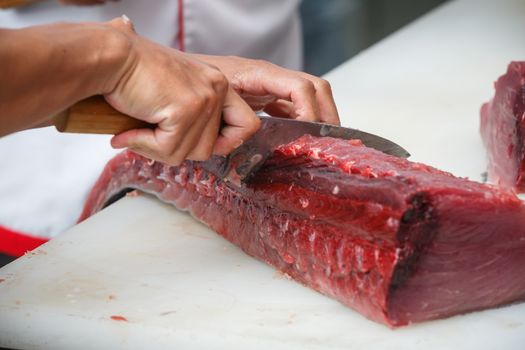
(47, 68)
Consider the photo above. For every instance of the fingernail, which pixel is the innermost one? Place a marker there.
(125, 19)
(115, 144)
(239, 143)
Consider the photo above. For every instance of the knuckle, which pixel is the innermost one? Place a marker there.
(185, 103)
(211, 97)
(263, 63)
(174, 120)
(202, 99)
(324, 86)
(219, 80)
(198, 106)
(254, 65)
(208, 102)
(195, 105)
(306, 85)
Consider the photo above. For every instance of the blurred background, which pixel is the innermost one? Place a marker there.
(335, 30)
(332, 30)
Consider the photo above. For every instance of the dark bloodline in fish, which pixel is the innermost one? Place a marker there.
(400, 242)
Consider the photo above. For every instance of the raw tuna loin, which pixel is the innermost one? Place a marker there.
(399, 242)
(503, 129)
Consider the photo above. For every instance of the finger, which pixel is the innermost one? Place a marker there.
(123, 23)
(190, 141)
(193, 133)
(304, 101)
(158, 144)
(204, 147)
(281, 108)
(325, 100)
(133, 137)
(258, 103)
(167, 146)
(284, 84)
(241, 122)
(209, 132)
(147, 142)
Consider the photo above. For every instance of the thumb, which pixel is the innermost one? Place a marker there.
(135, 138)
(156, 144)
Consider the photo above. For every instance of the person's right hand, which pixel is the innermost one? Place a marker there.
(183, 96)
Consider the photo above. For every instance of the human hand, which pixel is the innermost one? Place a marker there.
(278, 91)
(184, 97)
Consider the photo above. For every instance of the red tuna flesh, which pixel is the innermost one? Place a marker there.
(400, 242)
(503, 129)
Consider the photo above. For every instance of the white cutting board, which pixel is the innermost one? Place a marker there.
(181, 286)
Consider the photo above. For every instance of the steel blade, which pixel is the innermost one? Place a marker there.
(246, 159)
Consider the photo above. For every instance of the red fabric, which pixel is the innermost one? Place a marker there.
(180, 34)
(17, 243)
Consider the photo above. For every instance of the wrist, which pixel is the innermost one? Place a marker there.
(116, 55)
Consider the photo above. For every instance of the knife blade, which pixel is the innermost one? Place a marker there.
(249, 157)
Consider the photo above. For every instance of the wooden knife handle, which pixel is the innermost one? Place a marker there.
(4, 4)
(95, 116)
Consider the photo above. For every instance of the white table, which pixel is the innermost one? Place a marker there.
(180, 285)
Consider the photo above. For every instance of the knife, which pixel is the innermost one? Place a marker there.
(95, 115)
(274, 132)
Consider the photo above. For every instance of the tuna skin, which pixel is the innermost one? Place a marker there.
(399, 242)
(503, 128)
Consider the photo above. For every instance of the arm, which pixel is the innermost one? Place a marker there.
(264, 86)
(47, 68)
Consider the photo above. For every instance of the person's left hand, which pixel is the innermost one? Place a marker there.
(278, 91)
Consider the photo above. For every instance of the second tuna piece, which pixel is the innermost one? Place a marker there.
(503, 129)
